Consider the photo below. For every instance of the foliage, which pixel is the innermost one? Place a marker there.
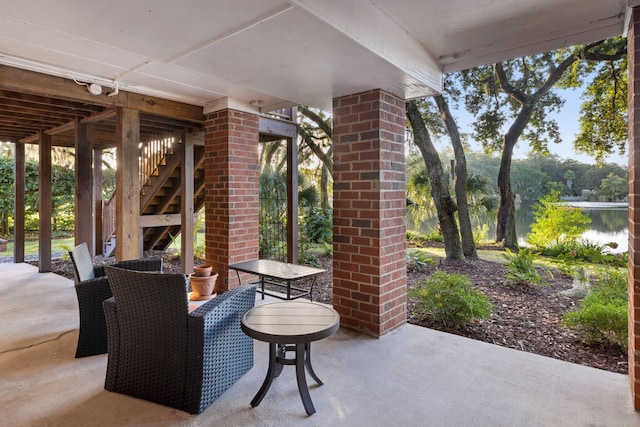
(603, 114)
(571, 252)
(419, 190)
(307, 257)
(602, 314)
(493, 107)
(326, 249)
(63, 197)
(528, 180)
(481, 233)
(198, 247)
(556, 223)
(65, 254)
(6, 194)
(613, 187)
(108, 183)
(62, 192)
(479, 196)
(318, 225)
(434, 236)
(520, 269)
(495, 101)
(273, 214)
(448, 299)
(199, 250)
(514, 100)
(419, 260)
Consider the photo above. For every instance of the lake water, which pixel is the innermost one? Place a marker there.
(609, 223)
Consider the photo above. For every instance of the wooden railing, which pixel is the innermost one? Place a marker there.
(152, 155)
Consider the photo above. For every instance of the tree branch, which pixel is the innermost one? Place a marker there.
(311, 115)
(591, 53)
(325, 158)
(506, 87)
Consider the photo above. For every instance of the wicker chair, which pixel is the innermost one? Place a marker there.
(160, 352)
(92, 287)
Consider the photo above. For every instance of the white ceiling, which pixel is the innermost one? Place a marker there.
(287, 52)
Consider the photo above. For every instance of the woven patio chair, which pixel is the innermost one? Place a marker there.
(160, 352)
(92, 287)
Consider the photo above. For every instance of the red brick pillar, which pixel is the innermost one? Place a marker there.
(634, 206)
(231, 192)
(369, 255)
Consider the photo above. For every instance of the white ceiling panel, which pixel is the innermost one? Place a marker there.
(463, 34)
(158, 30)
(288, 51)
(295, 55)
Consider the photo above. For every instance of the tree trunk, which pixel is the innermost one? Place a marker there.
(460, 179)
(445, 205)
(4, 227)
(506, 218)
(505, 221)
(324, 187)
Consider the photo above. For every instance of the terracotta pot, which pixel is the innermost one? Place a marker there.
(203, 270)
(203, 286)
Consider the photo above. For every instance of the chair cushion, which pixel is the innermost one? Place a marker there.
(82, 262)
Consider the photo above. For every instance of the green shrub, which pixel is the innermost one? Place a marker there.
(308, 258)
(602, 315)
(481, 233)
(584, 251)
(65, 254)
(556, 223)
(434, 236)
(318, 225)
(419, 260)
(520, 269)
(448, 299)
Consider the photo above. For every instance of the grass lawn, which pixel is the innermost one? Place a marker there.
(31, 246)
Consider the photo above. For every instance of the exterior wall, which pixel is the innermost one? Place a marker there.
(369, 225)
(634, 206)
(231, 192)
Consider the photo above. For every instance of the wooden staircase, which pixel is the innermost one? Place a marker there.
(160, 194)
(160, 171)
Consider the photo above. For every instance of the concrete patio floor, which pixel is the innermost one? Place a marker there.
(410, 377)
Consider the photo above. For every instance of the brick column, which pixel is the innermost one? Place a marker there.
(634, 206)
(231, 192)
(369, 264)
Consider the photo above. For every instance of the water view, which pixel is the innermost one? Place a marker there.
(609, 223)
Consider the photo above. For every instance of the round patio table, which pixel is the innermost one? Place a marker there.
(290, 326)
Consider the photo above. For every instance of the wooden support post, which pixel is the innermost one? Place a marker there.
(292, 200)
(128, 245)
(44, 204)
(186, 178)
(19, 174)
(98, 238)
(84, 187)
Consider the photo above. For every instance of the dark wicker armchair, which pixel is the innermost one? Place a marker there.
(160, 352)
(92, 287)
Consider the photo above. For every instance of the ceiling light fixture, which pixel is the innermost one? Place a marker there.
(95, 89)
(257, 103)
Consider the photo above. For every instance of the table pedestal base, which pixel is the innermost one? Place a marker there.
(277, 360)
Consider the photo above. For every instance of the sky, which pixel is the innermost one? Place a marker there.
(568, 123)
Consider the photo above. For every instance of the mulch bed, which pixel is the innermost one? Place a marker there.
(524, 318)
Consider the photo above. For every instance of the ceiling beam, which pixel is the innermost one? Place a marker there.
(33, 83)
